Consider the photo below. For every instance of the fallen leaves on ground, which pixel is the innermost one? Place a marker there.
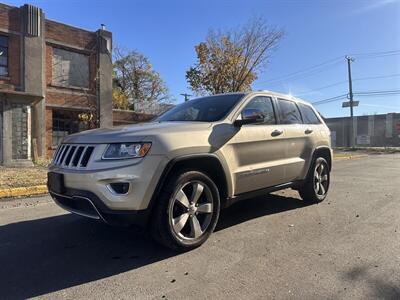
(22, 177)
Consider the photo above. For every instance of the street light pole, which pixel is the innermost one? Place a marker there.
(351, 134)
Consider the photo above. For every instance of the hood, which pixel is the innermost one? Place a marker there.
(132, 133)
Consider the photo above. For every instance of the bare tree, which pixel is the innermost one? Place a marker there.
(229, 61)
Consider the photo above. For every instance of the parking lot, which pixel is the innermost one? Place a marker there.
(347, 247)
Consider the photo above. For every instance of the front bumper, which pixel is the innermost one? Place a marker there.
(87, 204)
(88, 193)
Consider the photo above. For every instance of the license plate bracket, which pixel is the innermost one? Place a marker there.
(55, 182)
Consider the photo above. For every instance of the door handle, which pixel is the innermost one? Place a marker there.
(308, 131)
(277, 132)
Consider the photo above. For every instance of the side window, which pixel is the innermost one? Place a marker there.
(3, 55)
(308, 114)
(288, 112)
(264, 104)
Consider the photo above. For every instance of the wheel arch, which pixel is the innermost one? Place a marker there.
(208, 163)
(324, 152)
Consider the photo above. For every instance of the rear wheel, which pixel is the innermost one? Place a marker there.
(316, 187)
(187, 211)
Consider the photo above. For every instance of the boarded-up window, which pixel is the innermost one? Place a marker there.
(70, 69)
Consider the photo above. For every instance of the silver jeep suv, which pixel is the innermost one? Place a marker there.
(174, 174)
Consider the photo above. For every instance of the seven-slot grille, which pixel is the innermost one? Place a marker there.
(73, 155)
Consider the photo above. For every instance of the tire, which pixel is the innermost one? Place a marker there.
(187, 211)
(316, 186)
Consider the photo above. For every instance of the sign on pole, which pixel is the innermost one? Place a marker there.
(347, 103)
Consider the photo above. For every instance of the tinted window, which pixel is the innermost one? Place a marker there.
(264, 104)
(308, 114)
(207, 109)
(288, 112)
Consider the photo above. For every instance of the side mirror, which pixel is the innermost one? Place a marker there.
(250, 116)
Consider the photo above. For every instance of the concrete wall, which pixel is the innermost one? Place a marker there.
(369, 131)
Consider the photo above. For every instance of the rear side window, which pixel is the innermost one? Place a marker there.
(288, 112)
(308, 114)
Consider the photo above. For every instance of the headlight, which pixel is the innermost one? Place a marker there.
(126, 150)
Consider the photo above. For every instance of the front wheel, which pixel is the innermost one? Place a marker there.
(316, 187)
(187, 211)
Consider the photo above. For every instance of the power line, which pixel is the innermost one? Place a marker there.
(305, 75)
(345, 81)
(376, 54)
(332, 99)
(378, 95)
(366, 93)
(387, 92)
(301, 72)
(321, 66)
(376, 77)
(322, 88)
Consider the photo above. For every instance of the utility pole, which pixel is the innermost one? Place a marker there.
(351, 134)
(186, 96)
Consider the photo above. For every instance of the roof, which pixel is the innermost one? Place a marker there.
(272, 93)
(287, 96)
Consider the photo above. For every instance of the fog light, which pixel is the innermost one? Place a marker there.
(119, 187)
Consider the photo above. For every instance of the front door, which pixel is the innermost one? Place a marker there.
(257, 150)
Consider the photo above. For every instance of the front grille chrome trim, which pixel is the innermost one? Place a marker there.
(70, 156)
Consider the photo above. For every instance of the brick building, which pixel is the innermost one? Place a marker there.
(55, 79)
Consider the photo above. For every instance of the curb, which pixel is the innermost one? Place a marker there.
(349, 157)
(23, 191)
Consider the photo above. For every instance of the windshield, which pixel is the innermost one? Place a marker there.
(206, 109)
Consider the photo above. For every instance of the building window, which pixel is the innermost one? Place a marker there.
(65, 123)
(70, 69)
(3, 55)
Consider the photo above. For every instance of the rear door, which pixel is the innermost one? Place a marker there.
(256, 150)
(295, 139)
(312, 130)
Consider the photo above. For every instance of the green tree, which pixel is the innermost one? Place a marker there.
(229, 61)
(136, 80)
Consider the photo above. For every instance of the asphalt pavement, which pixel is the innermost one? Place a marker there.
(277, 246)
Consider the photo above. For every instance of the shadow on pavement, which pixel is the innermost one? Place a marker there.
(257, 207)
(46, 255)
(379, 288)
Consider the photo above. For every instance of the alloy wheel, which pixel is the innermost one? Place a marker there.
(321, 179)
(191, 210)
